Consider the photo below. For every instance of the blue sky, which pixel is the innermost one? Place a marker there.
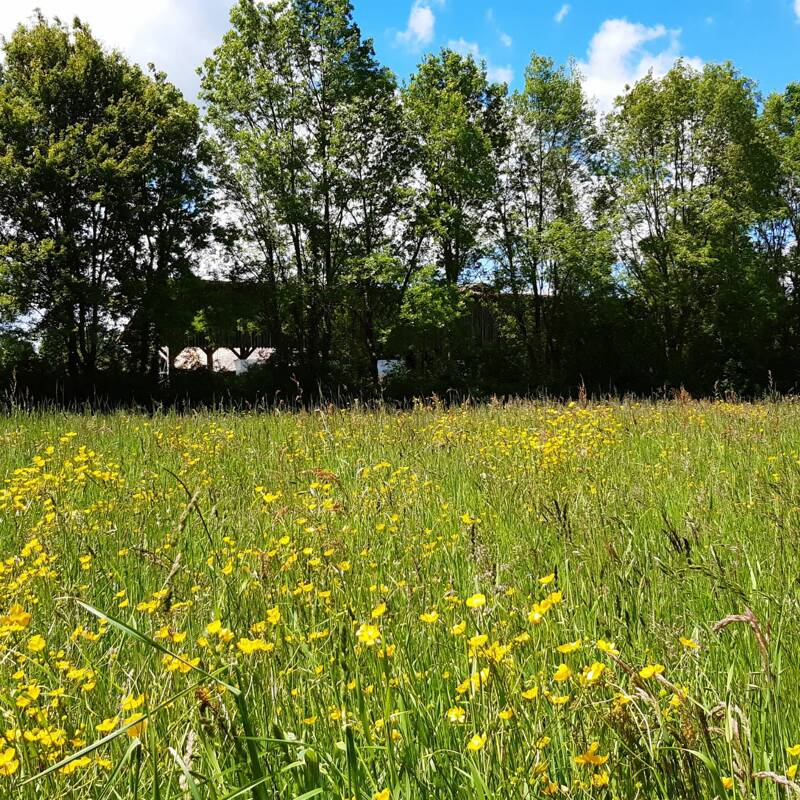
(615, 41)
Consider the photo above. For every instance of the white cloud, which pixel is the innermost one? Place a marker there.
(107, 21)
(500, 74)
(465, 48)
(618, 57)
(421, 26)
(562, 13)
(175, 35)
(505, 39)
(495, 74)
(797, 8)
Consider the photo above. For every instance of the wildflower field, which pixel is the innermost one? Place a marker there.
(495, 602)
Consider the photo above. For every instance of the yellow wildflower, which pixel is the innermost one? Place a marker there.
(131, 703)
(16, 620)
(650, 671)
(456, 714)
(476, 601)
(563, 673)
(593, 673)
(590, 757)
(75, 765)
(250, 646)
(136, 726)
(559, 700)
(107, 725)
(368, 635)
(9, 763)
(378, 611)
(600, 779)
(607, 647)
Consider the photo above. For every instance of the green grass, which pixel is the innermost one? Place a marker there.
(124, 537)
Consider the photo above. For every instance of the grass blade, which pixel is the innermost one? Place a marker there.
(136, 634)
(90, 748)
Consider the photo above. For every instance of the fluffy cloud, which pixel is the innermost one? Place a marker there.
(121, 29)
(465, 48)
(619, 56)
(499, 74)
(421, 26)
(505, 39)
(562, 13)
(175, 35)
(494, 73)
(797, 8)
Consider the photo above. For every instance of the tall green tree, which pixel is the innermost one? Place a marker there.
(691, 176)
(779, 232)
(548, 253)
(171, 209)
(457, 122)
(100, 192)
(376, 157)
(311, 152)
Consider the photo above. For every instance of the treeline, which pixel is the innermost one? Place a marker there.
(367, 220)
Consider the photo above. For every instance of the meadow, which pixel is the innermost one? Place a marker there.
(578, 600)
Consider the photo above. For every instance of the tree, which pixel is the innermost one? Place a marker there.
(779, 232)
(171, 213)
(457, 121)
(542, 212)
(100, 191)
(691, 175)
(376, 156)
(310, 151)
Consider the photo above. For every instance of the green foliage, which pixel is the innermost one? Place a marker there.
(101, 197)
(15, 352)
(779, 232)
(431, 305)
(494, 242)
(456, 118)
(691, 176)
(550, 250)
(311, 151)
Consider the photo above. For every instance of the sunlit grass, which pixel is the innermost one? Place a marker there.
(522, 601)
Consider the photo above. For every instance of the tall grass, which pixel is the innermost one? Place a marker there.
(533, 600)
